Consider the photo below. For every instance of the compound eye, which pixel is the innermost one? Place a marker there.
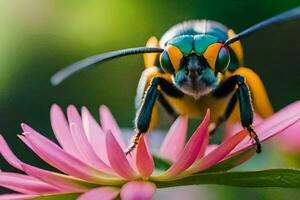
(223, 60)
(217, 56)
(211, 54)
(170, 59)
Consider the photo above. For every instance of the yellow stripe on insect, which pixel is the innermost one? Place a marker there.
(236, 47)
(175, 56)
(211, 54)
(150, 58)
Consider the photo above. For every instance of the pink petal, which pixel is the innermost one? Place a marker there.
(61, 130)
(25, 184)
(117, 158)
(210, 148)
(174, 142)
(81, 140)
(244, 158)
(231, 129)
(203, 147)
(66, 183)
(144, 160)
(219, 153)
(109, 123)
(132, 159)
(14, 161)
(103, 193)
(8, 155)
(55, 156)
(265, 132)
(191, 150)
(17, 196)
(290, 111)
(289, 139)
(73, 115)
(138, 190)
(86, 150)
(281, 121)
(95, 134)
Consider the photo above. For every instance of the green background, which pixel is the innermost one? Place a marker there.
(37, 38)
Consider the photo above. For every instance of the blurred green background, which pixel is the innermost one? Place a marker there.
(37, 38)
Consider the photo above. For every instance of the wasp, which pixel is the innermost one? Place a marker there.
(196, 65)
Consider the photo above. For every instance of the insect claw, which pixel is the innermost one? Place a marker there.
(135, 142)
(129, 150)
(255, 139)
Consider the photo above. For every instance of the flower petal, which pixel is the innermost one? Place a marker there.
(86, 150)
(281, 121)
(61, 130)
(8, 155)
(264, 131)
(80, 139)
(289, 139)
(66, 183)
(109, 123)
(287, 112)
(218, 154)
(25, 184)
(191, 150)
(73, 115)
(144, 160)
(138, 190)
(231, 129)
(117, 158)
(95, 134)
(210, 148)
(174, 142)
(103, 193)
(55, 156)
(30, 170)
(17, 196)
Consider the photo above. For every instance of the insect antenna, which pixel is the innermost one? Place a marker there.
(86, 63)
(290, 14)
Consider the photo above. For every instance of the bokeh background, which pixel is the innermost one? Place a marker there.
(37, 38)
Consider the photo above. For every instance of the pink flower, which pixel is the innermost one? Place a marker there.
(93, 165)
(289, 140)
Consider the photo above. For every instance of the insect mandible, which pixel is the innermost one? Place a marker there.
(195, 65)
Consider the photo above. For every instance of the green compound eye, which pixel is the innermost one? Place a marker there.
(170, 59)
(223, 60)
(166, 63)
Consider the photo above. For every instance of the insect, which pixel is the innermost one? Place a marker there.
(194, 66)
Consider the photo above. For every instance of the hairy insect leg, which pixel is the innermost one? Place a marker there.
(242, 95)
(135, 141)
(255, 138)
(143, 116)
(246, 110)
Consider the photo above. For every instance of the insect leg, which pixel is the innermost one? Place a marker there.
(143, 116)
(241, 94)
(246, 110)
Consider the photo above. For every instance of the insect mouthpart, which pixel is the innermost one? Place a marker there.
(193, 67)
(195, 78)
